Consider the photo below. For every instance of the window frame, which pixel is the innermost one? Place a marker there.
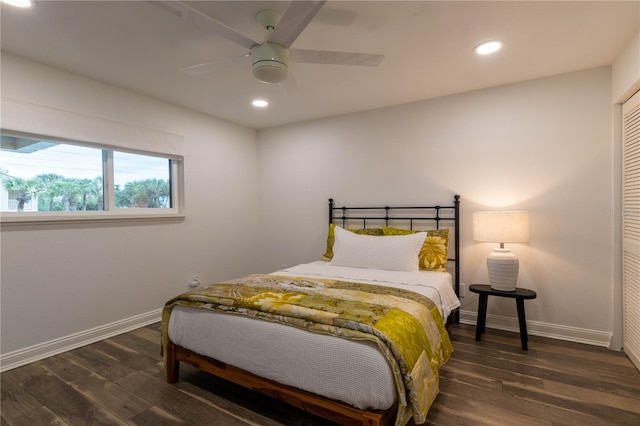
(110, 212)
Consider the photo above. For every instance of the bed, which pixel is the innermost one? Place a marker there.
(337, 337)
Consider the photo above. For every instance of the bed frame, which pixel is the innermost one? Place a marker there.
(419, 218)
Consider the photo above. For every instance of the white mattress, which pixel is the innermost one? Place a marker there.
(351, 371)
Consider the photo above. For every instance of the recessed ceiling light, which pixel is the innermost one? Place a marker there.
(18, 3)
(488, 47)
(259, 103)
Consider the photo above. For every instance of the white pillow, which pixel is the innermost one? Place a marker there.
(393, 252)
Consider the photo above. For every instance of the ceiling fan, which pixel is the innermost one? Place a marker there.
(270, 58)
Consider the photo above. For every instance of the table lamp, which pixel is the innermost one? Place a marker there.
(502, 227)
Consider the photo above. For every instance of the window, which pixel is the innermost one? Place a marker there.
(141, 181)
(43, 176)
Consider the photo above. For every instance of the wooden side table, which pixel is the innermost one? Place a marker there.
(520, 294)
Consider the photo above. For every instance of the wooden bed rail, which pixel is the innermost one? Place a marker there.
(329, 409)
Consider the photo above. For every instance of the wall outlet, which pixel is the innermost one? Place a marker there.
(194, 281)
(463, 290)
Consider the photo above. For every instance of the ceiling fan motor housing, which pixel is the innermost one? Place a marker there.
(270, 62)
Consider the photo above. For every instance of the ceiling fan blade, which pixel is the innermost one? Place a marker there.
(201, 69)
(205, 21)
(336, 58)
(294, 21)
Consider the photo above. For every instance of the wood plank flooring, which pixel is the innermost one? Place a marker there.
(121, 381)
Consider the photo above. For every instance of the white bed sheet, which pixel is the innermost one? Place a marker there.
(351, 371)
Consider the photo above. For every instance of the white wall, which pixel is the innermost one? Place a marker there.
(542, 145)
(625, 71)
(62, 284)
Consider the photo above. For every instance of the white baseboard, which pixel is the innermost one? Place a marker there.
(537, 328)
(40, 351)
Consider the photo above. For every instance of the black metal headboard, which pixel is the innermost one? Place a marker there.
(419, 218)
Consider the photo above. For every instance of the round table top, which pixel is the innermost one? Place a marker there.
(518, 293)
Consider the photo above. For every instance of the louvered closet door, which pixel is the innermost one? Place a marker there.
(631, 227)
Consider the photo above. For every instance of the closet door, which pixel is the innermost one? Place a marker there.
(631, 227)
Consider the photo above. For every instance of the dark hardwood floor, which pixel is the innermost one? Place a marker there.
(493, 382)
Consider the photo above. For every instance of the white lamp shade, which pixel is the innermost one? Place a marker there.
(501, 226)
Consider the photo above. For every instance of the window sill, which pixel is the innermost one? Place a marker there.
(9, 220)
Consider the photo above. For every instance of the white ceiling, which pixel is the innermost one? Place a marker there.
(427, 47)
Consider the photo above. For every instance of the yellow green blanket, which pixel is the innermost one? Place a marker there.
(406, 326)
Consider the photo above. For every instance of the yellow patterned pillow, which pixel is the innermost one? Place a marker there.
(331, 238)
(435, 250)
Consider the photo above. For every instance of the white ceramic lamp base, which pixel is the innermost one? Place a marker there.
(503, 269)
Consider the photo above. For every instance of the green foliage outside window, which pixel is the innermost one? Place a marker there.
(58, 193)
